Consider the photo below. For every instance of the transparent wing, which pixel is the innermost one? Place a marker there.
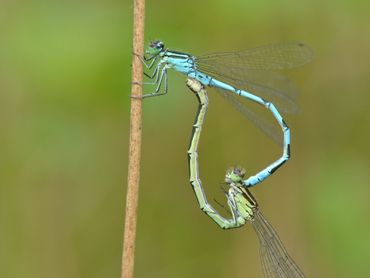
(276, 261)
(251, 70)
(269, 57)
(271, 130)
(273, 87)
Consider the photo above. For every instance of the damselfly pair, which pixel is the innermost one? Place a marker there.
(238, 73)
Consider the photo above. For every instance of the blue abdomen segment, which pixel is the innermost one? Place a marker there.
(269, 170)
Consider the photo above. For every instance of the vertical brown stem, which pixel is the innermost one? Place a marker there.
(133, 178)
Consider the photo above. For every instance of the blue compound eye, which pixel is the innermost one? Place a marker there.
(157, 45)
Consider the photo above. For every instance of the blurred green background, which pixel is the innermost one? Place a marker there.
(65, 71)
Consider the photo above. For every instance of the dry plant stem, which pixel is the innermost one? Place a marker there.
(135, 144)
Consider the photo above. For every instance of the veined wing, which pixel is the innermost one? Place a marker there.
(276, 261)
(251, 70)
(269, 57)
(271, 130)
(271, 86)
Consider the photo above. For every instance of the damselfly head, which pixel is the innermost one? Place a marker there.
(234, 175)
(155, 47)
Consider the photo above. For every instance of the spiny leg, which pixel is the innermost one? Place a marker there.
(232, 205)
(144, 60)
(150, 66)
(159, 84)
(160, 75)
(155, 74)
(156, 71)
